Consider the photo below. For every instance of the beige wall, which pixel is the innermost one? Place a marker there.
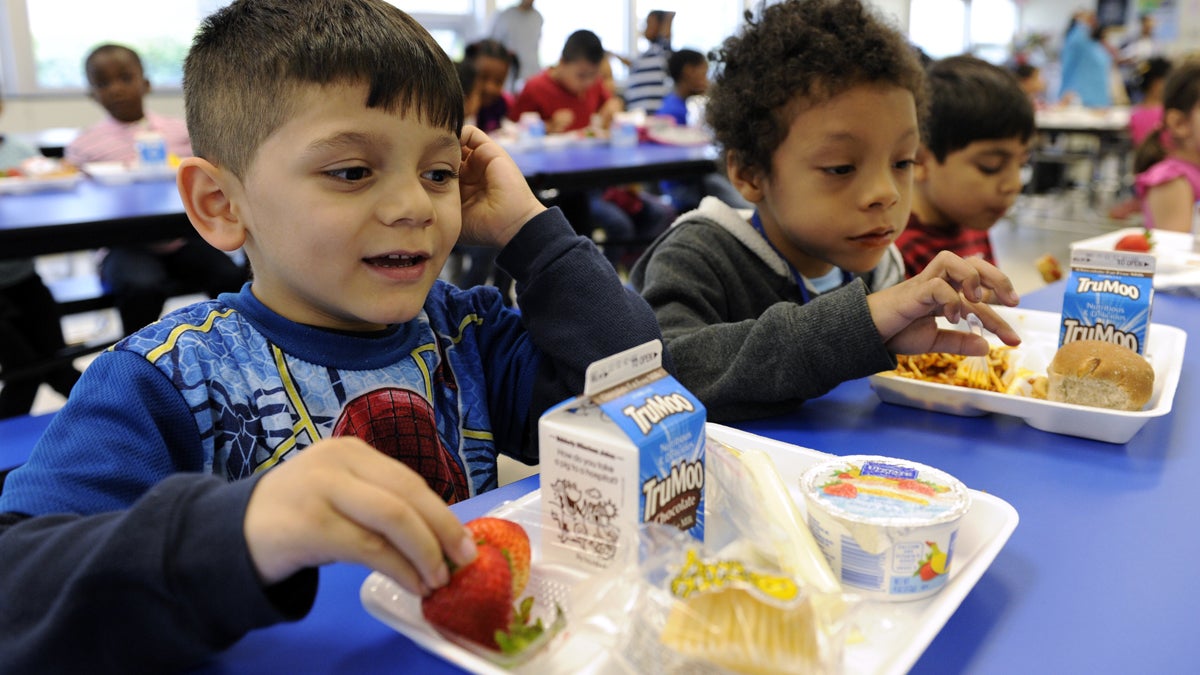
(29, 114)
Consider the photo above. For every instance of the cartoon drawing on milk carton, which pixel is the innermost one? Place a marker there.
(629, 451)
(584, 518)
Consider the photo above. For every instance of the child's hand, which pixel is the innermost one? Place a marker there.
(342, 500)
(496, 200)
(560, 121)
(949, 286)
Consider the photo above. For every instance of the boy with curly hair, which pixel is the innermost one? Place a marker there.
(354, 392)
(816, 107)
(975, 140)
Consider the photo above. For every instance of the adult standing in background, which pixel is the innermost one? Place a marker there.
(1086, 63)
(648, 75)
(520, 29)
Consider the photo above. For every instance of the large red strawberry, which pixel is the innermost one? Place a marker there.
(1138, 241)
(510, 538)
(478, 600)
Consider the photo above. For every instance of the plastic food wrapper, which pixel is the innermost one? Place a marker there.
(729, 611)
(750, 503)
(757, 597)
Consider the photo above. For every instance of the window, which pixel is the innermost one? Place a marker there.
(948, 27)
(560, 18)
(699, 24)
(40, 52)
(938, 26)
(993, 25)
(161, 35)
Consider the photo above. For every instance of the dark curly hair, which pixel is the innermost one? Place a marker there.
(800, 53)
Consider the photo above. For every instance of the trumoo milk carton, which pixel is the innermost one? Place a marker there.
(1109, 296)
(629, 451)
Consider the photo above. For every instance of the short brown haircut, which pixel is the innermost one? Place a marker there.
(248, 59)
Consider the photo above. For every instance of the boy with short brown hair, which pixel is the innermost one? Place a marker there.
(347, 176)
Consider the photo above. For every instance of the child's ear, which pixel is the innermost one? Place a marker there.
(921, 165)
(748, 182)
(208, 195)
(1177, 123)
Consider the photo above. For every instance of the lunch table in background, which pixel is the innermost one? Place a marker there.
(90, 215)
(93, 214)
(600, 164)
(1099, 138)
(1095, 579)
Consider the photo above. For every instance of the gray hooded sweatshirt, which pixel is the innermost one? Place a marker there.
(736, 325)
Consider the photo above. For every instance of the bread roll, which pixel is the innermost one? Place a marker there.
(1100, 374)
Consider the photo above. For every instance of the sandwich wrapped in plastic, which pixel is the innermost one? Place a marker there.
(698, 612)
(757, 597)
(749, 504)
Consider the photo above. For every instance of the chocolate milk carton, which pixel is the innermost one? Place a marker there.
(1108, 297)
(629, 451)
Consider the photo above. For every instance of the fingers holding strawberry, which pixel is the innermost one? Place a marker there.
(512, 540)
(479, 603)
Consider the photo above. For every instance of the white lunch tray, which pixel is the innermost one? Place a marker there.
(118, 173)
(894, 635)
(1176, 268)
(18, 185)
(1039, 341)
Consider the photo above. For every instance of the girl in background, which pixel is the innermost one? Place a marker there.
(1148, 113)
(1146, 118)
(483, 72)
(492, 62)
(1168, 180)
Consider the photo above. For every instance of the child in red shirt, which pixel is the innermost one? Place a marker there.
(975, 140)
(567, 94)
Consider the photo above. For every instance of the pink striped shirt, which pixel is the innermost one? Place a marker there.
(113, 141)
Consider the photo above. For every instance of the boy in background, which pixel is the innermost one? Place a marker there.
(689, 77)
(975, 140)
(1030, 79)
(647, 83)
(567, 94)
(689, 73)
(344, 176)
(141, 276)
(816, 109)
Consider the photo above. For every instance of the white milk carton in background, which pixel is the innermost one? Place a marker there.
(151, 148)
(1108, 297)
(629, 451)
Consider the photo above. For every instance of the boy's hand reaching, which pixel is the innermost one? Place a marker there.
(496, 200)
(949, 286)
(342, 500)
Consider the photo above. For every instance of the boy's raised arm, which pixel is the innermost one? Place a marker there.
(572, 302)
